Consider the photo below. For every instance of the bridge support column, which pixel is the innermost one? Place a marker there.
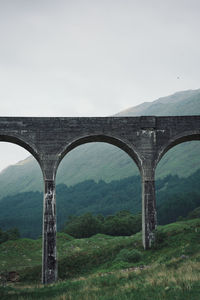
(149, 218)
(49, 266)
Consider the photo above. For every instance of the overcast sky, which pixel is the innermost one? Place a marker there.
(94, 57)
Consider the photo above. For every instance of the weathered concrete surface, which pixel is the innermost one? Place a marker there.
(144, 139)
(49, 267)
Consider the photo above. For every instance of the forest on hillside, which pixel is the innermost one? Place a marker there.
(176, 197)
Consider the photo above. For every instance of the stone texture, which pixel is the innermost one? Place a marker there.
(146, 139)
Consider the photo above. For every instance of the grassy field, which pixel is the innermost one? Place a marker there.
(105, 268)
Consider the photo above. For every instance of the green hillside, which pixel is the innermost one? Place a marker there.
(175, 197)
(180, 103)
(105, 267)
(103, 161)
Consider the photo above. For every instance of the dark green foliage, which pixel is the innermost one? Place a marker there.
(161, 236)
(127, 255)
(13, 233)
(83, 226)
(194, 214)
(123, 223)
(10, 234)
(98, 198)
(160, 239)
(31, 274)
(177, 205)
(175, 197)
(3, 236)
(23, 211)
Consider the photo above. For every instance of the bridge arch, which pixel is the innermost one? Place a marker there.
(165, 161)
(27, 145)
(129, 149)
(186, 136)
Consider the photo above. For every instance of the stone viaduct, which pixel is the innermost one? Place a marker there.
(145, 139)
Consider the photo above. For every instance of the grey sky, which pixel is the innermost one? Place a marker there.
(94, 58)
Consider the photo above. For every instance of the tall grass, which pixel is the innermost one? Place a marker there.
(93, 268)
(155, 282)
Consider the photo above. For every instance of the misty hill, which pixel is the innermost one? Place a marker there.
(103, 161)
(180, 103)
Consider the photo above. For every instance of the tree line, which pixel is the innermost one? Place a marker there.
(123, 223)
(175, 197)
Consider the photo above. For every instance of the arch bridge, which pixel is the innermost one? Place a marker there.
(145, 139)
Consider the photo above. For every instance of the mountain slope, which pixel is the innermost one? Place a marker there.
(174, 196)
(180, 103)
(103, 161)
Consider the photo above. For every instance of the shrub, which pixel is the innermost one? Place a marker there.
(11, 234)
(122, 224)
(160, 238)
(129, 255)
(83, 226)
